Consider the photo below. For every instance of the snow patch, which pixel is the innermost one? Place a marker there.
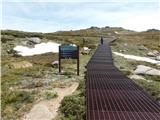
(73, 45)
(138, 58)
(38, 49)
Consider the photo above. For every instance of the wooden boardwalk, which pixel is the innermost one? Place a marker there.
(111, 95)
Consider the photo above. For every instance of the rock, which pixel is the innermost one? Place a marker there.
(55, 64)
(86, 51)
(18, 65)
(154, 53)
(125, 44)
(116, 32)
(150, 54)
(35, 40)
(122, 51)
(158, 57)
(153, 72)
(85, 48)
(143, 48)
(137, 77)
(145, 70)
(24, 43)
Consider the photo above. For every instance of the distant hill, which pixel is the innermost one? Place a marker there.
(93, 31)
(153, 30)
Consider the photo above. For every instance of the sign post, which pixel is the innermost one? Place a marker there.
(78, 60)
(68, 52)
(59, 59)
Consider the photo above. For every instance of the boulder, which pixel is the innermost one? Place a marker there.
(86, 51)
(154, 53)
(18, 65)
(122, 51)
(85, 48)
(158, 57)
(55, 64)
(143, 48)
(137, 77)
(145, 70)
(24, 43)
(34, 40)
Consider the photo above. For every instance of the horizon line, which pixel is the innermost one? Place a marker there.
(76, 29)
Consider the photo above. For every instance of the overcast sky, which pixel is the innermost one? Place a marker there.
(49, 16)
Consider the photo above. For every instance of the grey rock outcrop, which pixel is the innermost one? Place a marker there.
(145, 70)
(137, 77)
(34, 40)
(158, 57)
(153, 53)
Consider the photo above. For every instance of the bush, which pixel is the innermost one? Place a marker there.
(13, 101)
(17, 96)
(50, 95)
(6, 38)
(21, 34)
(73, 107)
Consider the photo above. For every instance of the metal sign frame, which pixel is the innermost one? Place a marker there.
(68, 52)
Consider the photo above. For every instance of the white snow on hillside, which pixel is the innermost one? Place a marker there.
(38, 49)
(138, 58)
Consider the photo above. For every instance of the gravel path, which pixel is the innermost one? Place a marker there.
(47, 109)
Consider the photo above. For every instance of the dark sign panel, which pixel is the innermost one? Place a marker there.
(68, 52)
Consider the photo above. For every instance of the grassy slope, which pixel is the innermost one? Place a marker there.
(21, 88)
(134, 41)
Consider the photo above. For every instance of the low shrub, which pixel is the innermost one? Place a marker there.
(73, 107)
(50, 95)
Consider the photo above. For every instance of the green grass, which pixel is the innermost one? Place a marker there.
(131, 44)
(152, 88)
(14, 101)
(28, 82)
(50, 95)
(134, 42)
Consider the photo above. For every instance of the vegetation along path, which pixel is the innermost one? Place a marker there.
(47, 109)
(113, 96)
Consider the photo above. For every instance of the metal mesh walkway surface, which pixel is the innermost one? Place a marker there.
(112, 96)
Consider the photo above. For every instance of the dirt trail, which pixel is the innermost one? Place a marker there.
(47, 109)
